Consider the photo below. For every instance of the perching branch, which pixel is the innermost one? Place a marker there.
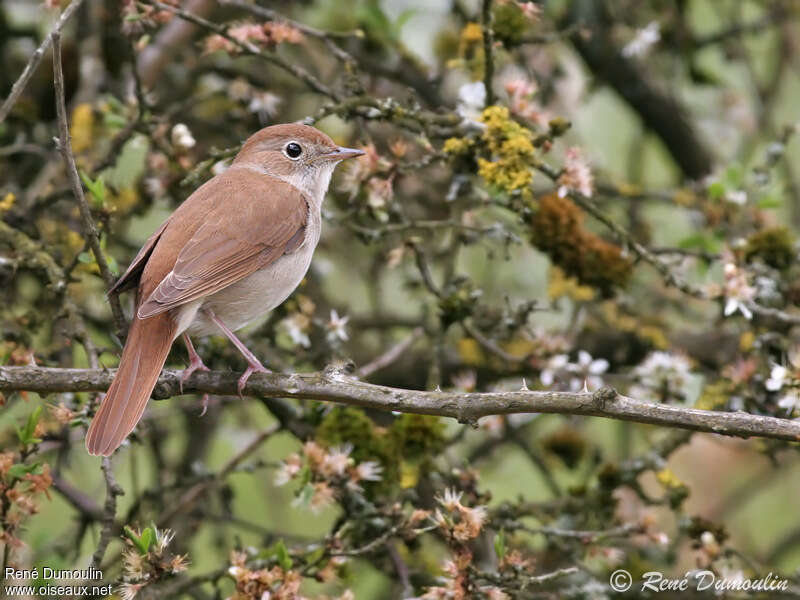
(338, 386)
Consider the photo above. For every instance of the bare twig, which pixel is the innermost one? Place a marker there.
(196, 491)
(488, 44)
(35, 59)
(65, 147)
(113, 490)
(273, 15)
(774, 17)
(391, 355)
(250, 48)
(466, 407)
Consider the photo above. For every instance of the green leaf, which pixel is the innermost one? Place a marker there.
(18, 471)
(769, 201)
(500, 544)
(282, 554)
(110, 260)
(115, 121)
(700, 241)
(147, 539)
(734, 175)
(716, 190)
(97, 188)
(25, 434)
(141, 542)
(305, 494)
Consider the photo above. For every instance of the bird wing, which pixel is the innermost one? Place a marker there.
(251, 221)
(130, 278)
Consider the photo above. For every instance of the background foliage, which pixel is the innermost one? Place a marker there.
(556, 194)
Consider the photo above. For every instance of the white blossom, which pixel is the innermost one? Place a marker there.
(471, 100)
(777, 377)
(182, 137)
(293, 327)
(336, 327)
(790, 401)
(643, 40)
(738, 292)
(661, 373)
(586, 372)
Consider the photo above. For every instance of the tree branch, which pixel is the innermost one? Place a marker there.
(65, 146)
(337, 386)
(113, 490)
(35, 59)
(659, 110)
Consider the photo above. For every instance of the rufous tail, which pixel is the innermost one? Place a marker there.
(143, 357)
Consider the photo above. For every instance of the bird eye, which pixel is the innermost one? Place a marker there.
(293, 150)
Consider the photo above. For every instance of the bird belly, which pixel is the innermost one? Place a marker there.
(252, 297)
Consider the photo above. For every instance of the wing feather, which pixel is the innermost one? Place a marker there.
(244, 233)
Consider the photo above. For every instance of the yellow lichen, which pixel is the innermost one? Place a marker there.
(668, 479)
(457, 145)
(559, 285)
(470, 352)
(511, 148)
(7, 202)
(470, 35)
(746, 341)
(82, 127)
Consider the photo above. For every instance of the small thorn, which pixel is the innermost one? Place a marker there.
(438, 388)
(524, 387)
(585, 386)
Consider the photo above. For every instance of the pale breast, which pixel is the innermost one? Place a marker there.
(255, 295)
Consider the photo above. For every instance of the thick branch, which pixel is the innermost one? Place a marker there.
(337, 386)
(659, 110)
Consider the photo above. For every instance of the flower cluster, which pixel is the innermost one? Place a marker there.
(661, 377)
(521, 92)
(275, 583)
(326, 473)
(586, 373)
(786, 379)
(577, 176)
(145, 560)
(267, 35)
(738, 291)
(458, 521)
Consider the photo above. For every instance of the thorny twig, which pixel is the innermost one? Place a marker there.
(65, 147)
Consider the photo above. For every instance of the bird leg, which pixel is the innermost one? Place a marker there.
(195, 364)
(253, 364)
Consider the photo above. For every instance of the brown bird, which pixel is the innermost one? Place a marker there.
(233, 251)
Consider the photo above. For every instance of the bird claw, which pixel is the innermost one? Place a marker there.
(194, 365)
(204, 400)
(251, 368)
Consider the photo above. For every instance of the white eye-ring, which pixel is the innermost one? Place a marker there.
(293, 150)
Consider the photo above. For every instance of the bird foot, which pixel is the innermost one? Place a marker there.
(195, 364)
(256, 367)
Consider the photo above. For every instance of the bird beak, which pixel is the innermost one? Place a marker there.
(343, 153)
